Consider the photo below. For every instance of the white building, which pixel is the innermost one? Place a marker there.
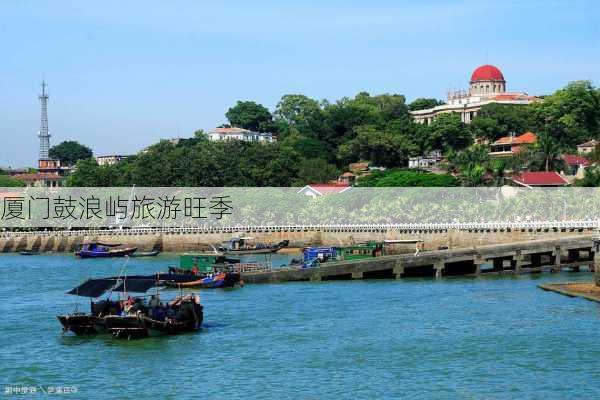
(245, 135)
(587, 147)
(426, 161)
(109, 160)
(487, 85)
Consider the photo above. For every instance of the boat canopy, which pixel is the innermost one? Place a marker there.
(97, 287)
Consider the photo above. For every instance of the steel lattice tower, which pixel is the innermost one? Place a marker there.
(44, 135)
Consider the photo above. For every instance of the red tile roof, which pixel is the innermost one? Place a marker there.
(512, 96)
(526, 138)
(572, 159)
(540, 179)
(328, 188)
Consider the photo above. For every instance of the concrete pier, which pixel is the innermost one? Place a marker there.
(508, 258)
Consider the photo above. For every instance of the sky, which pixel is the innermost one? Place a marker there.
(123, 75)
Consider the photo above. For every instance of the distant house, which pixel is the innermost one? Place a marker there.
(358, 168)
(50, 174)
(510, 145)
(575, 164)
(587, 147)
(347, 178)
(110, 160)
(427, 161)
(322, 189)
(41, 179)
(219, 134)
(538, 179)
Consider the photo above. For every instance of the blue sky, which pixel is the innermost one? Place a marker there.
(122, 74)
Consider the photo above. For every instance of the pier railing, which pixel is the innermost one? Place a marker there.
(348, 228)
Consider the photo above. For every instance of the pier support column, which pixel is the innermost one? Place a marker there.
(357, 274)
(557, 254)
(597, 261)
(398, 269)
(478, 262)
(518, 262)
(439, 267)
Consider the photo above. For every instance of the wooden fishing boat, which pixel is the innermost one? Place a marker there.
(133, 317)
(203, 264)
(82, 323)
(220, 280)
(185, 314)
(312, 256)
(152, 253)
(247, 245)
(102, 250)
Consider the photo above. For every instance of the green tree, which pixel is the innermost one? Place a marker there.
(496, 120)
(471, 163)
(69, 152)
(9, 181)
(343, 117)
(424, 103)
(296, 113)
(404, 178)
(447, 131)
(384, 148)
(591, 177)
(308, 147)
(549, 150)
(250, 115)
(315, 171)
(570, 115)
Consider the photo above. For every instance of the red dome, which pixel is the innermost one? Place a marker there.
(487, 73)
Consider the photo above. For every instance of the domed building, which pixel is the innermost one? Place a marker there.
(487, 79)
(487, 85)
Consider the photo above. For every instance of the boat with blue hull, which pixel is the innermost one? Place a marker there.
(219, 280)
(103, 250)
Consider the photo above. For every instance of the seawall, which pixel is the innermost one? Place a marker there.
(180, 239)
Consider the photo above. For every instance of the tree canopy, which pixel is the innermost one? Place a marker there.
(250, 115)
(69, 152)
(317, 139)
(423, 104)
(9, 181)
(404, 178)
(496, 120)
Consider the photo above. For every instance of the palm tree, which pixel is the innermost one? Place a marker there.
(548, 148)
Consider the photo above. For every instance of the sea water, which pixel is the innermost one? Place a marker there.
(472, 338)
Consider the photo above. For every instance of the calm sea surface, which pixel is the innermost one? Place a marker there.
(487, 338)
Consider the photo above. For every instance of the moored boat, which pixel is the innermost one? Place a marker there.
(183, 314)
(82, 323)
(247, 245)
(152, 253)
(101, 250)
(312, 256)
(220, 280)
(29, 252)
